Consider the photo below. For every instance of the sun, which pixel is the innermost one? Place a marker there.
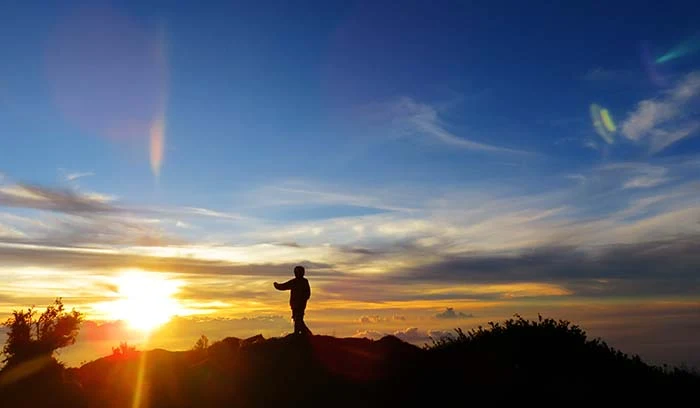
(145, 300)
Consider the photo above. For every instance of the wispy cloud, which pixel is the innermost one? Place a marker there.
(205, 212)
(71, 217)
(371, 319)
(410, 117)
(46, 255)
(580, 178)
(72, 176)
(633, 269)
(667, 119)
(47, 198)
(181, 224)
(9, 232)
(600, 74)
(645, 182)
(590, 144)
(639, 175)
(309, 193)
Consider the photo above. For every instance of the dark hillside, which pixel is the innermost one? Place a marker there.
(515, 361)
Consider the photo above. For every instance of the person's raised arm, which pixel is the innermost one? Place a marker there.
(284, 286)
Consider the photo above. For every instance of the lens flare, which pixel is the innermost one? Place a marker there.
(157, 144)
(157, 132)
(687, 47)
(139, 398)
(107, 74)
(603, 123)
(607, 121)
(24, 370)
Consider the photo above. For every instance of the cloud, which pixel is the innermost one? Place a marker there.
(439, 334)
(72, 217)
(642, 175)
(590, 144)
(420, 337)
(9, 232)
(450, 313)
(599, 74)
(410, 117)
(68, 217)
(374, 319)
(73, 258)
(645, 182)
(52, 199)
(371, 319)
(650, 268)
(369, 334)
(623, 177)
(411, 335)
(77, 175)
(661, 138)
(313, 194)
(503, 245)
(204, 212)
(182, 224)
(667, 119)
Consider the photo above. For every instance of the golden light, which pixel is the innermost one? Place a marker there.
(145, 300)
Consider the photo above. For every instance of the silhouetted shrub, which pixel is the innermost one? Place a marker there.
(124, 350)
(30, 338)
(514, 327)
(524, 353)
(32, 377)
(202, 344)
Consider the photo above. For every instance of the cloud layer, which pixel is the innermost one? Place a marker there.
(424, 260)
(668, 118)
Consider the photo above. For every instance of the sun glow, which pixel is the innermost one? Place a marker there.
(145, 300)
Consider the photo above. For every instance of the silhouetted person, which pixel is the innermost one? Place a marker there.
(301, 292)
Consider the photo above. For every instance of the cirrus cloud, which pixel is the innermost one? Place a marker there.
(662, 121)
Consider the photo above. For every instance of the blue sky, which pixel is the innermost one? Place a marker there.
(363, 138)
(267, 91)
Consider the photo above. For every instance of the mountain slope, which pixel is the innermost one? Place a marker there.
(543, 361)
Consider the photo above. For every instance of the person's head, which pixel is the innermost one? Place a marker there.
(299, 271)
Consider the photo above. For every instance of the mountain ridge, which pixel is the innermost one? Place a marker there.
(544, 362)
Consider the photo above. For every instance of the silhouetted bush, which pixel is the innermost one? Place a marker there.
(515, 327)
(32, 377)
(201, 345)
(124, 350)
(524, 353)
(29, 338)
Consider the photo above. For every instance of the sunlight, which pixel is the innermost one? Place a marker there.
(146, 300)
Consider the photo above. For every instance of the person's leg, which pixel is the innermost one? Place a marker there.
(303, 329)
(298, 321)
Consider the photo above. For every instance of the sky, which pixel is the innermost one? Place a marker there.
(433, 166)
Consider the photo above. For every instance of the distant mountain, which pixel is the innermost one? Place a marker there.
(544, 362)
